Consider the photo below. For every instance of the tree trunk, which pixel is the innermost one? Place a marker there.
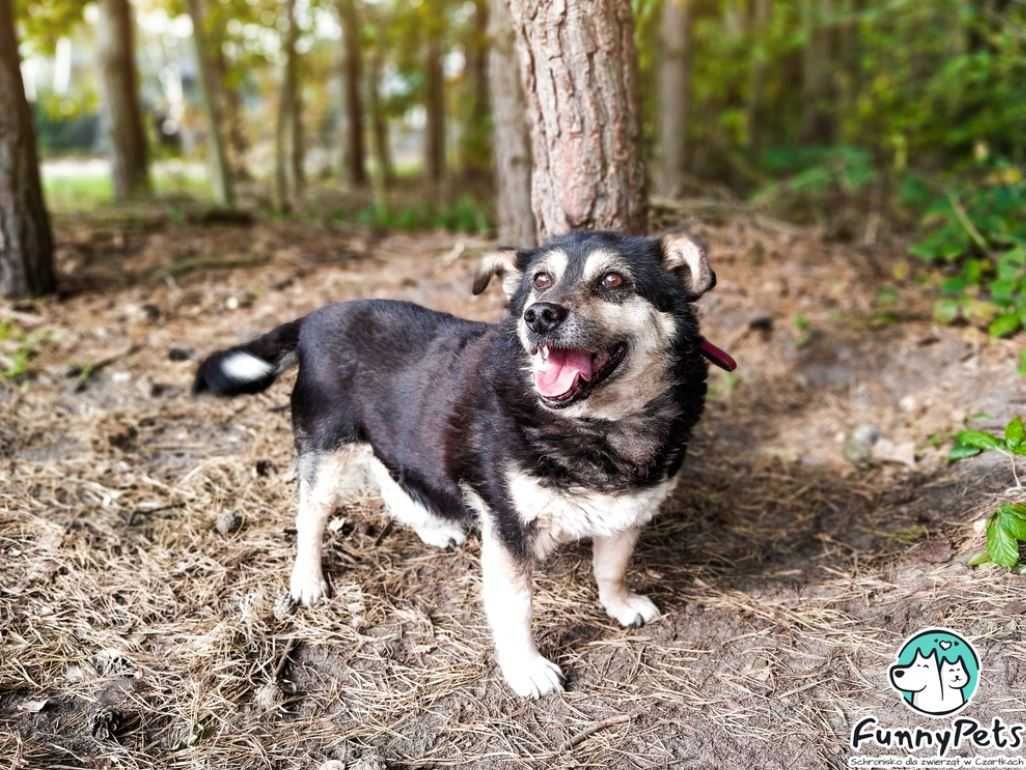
(579, 71)
(756, 75)
(379, 122)
(434, 98)
(674, 82)
(475, 154)
(288, 139)
(817, 126)
(26, 241)
(511, 141)
(115, 42)
(352, 81)
(219, 169)
(231, 111)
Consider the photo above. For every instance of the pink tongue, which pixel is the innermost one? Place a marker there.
(559, 371)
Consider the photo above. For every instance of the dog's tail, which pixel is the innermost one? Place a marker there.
(252, 367)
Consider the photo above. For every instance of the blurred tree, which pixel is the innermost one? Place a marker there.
(674, 78)
(289, 177)
(818, 106)
(379, 114)
(579, 70)
(219, 167)
(115, 43)
(352, 77)
(434, 91)
(475, 152)
(511, 142)
(26, 241)
(44, 22)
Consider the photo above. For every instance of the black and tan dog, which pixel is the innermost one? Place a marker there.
(568, 419)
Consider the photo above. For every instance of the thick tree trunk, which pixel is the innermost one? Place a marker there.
(352, 81)
(26, 241)
(475, 153)
(434, 98)
(115, 42)
(220, 170)
(579, 71)
(674, 82)
(379, 122)
(511, 142)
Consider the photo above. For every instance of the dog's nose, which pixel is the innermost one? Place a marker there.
(543, 317)
(899, 674)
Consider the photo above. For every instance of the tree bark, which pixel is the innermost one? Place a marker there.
(288, 141)
(26, 240)
(434, 103)
(352, 80)
(231, 110)
(511, 142)
(817, 124)
(379, 121)
(220, 170)
(674, 84)
(579, 71)
(756, 75)
(115, 41)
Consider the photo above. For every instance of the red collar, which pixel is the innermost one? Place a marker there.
(719, 357)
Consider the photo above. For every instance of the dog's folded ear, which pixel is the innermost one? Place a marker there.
(688, 257)
(504, 263)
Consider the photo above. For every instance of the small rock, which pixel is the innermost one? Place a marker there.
(858, 447)
(179, 354)
(228, 522)
(903, 453)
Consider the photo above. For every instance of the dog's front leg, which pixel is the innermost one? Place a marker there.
(506, 590)
(611, 555)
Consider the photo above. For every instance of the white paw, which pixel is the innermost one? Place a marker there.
(442, 537)
(308, 584)
(633, 610)
(532, 676)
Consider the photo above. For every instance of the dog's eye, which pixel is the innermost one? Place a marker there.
(542, 281)
(612, 281)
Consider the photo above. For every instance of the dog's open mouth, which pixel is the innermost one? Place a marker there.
(563, 376)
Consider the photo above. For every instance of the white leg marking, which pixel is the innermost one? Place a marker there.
(245, 367)
(431, 529)
(506, 591)
(611, 554)
(321, 478)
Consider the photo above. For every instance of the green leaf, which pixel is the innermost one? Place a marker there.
(1022, 363)
(979, 439)
(961, 452)
(1015, 433)
(979, 558)
(946, 311)
(1004, 325)
(1002, 548)
(1012, 523)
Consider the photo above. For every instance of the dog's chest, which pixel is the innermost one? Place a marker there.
(557, 515)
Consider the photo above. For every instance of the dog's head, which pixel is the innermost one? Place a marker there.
(917, 675)
(598, 315)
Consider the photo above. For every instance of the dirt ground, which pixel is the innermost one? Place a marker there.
(146, 536)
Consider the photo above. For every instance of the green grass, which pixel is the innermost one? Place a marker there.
(90, 187)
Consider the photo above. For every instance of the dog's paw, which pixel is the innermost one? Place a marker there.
(442, 537)
(307, 585)
(632, 610)
(532, 676)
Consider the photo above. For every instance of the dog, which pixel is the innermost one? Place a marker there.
(568, 419)
(937, 685)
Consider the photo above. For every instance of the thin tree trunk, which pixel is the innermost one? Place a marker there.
(288, 140)
(219, 168)
(26, 241)
(231, 110)
(756, 74)
(817, 120)
(379, 122)
(674, 82)
(475, 154)
(352, 80)
(434, 97)
(119, 81)
(579, 71)
(512, 149)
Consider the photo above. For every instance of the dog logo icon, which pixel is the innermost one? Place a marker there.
(936, 672)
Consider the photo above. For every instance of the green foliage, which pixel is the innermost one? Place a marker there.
(969, 443)
(17, 349)
(464, 215)
(1006, 530)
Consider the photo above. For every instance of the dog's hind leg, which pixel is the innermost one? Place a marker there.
(321, 480)
(432, 529)
(611, 554)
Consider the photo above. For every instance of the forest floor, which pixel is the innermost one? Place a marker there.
(146, 536)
